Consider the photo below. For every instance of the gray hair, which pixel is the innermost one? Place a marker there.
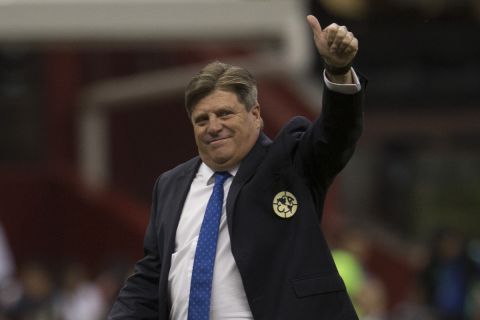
(218, 75)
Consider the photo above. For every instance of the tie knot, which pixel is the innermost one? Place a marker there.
(221, 176)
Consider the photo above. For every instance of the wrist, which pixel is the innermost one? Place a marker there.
(346, 78)
(338, 71)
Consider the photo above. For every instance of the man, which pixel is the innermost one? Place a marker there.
(264, 255)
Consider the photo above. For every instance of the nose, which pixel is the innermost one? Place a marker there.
(214, 125)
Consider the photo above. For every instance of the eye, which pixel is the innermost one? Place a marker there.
(224, 113)
(200, 120)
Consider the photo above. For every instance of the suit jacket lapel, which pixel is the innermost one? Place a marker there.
(246, 170)
(180, 191)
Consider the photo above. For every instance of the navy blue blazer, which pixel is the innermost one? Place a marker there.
(285, 264)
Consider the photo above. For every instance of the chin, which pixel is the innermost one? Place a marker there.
(221, 158)
(221, 164)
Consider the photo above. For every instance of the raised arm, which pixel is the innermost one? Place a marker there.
(327, 145)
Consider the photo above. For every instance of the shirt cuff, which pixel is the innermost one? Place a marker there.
(344, 88)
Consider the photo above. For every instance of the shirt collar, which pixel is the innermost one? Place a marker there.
(207, 173)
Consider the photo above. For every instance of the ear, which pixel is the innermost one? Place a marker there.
(256, 114)
(256, 111)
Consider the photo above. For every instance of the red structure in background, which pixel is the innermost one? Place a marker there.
(51, 217)
(62, 79)
(48, 214)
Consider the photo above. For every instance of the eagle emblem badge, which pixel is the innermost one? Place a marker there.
(285, 204)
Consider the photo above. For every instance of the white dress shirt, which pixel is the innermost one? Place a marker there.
(228, 295)
(228, 299)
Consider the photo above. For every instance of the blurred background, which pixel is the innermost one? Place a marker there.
(91, 112)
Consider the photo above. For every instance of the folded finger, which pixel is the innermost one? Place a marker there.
(339, 37)
(352, 47)
(345, 42)
(331, 31)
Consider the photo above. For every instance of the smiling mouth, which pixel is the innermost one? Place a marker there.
(217, 140)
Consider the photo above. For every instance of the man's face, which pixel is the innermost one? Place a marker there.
(224, 130)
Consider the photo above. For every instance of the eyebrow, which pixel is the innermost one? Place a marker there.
(200, 117)
(220, 109)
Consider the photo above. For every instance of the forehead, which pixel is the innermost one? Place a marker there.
(217, 99)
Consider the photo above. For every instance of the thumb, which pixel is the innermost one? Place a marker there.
(314, 24)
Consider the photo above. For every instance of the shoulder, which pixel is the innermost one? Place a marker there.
(294, 128)
(286, 142)
(185, 168)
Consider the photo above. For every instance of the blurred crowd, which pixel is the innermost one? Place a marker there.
(42, 290)
(37, 294)
(445, 285)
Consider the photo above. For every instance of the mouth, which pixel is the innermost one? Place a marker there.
(217, 141)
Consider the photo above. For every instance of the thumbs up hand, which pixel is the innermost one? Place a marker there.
(336, 45)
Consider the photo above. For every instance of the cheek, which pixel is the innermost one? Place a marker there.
(198, 133)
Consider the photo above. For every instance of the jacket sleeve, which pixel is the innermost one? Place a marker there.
(328, 144)
(138, 299)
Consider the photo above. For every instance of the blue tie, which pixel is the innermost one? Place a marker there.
(202, 274)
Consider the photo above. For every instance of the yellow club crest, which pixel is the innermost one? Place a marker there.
(285, 204)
